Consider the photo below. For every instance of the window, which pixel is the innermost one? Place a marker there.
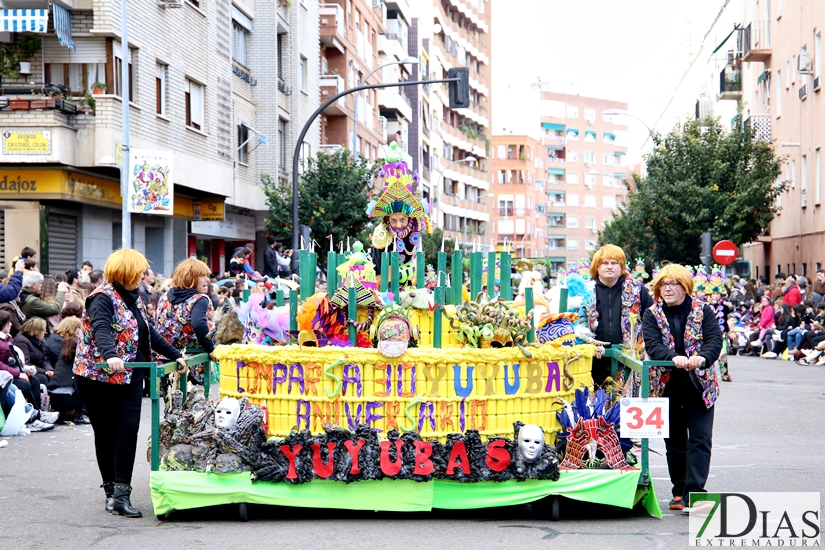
(572, 244)
(572, 222)
(609, 201)
(195, 3)
(502, 151)
(589, 159)
(302, 68)
(589, 180)
(501, 176)
(609, 181)
(282, 154)
(240, 43)
(606, 117)
(590, 244)
(572, 156)
(572, 112)
(793, 174)
(572, 136)
(590, 200)
(505, 207)
(818, 176)
(280, 52)
(590, 222)
(778, 93)
(160, 89)
(243, 140)
(590, 115)
(804, 177)
(609, 159)
(194, 98)
(72, 75)
(572, 177)
(118, 72)
(572, 199)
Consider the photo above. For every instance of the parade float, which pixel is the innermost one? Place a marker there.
(390, 390)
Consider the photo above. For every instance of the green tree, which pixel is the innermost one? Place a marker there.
(334, 192)
(699, 178)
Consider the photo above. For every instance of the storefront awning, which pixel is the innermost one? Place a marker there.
(556, 171)
(619, 153)
(572, 131)
(555, 147)
(24, 20)
(551, 126)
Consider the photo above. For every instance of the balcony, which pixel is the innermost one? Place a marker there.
(394, 103)
(730, 84)
(756, 41)
(333, 28)
(330, 85)
(761, 125)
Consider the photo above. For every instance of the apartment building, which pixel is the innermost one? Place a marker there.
(782, 41)
(459, 185)
(203, 86)
(586, 164)
(522, 218)
(349, 32)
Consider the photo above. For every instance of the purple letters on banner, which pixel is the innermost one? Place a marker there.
(426, 410)
(370, 416)
(462, 416)
(355, 378)
(278, 379)
(299, 379)
(353, 422)
(400, 382)
(238, 366)
(303, 415)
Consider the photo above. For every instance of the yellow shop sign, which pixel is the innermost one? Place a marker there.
(59, 184)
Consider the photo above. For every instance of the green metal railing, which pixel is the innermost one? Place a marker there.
(156, 371)
(643, 368)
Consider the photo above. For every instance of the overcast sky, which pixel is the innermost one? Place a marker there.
(628, 50)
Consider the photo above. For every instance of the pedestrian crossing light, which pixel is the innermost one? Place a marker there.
(459, 89)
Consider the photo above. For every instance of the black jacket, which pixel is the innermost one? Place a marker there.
(198, 318)
(63, 376)
(677, 320)
(33, 352)
(609, 306)
(270, 262)
(52, 347)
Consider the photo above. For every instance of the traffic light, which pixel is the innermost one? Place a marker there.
(459, 89)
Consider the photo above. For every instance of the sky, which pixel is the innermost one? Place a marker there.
(627, 50)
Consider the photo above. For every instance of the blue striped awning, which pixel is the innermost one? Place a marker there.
(63, 27)
(557, 259)
(555, 147)
(619, 153)
(552, 126)
(24, 20)
(556, 171)
(590, 133)
(610, 135)
(572, 131)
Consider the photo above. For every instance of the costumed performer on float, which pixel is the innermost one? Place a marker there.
(404, 218)
(620, 303)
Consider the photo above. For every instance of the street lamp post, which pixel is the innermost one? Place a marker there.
(125, 96)
(466, 208)
(410, 60)
(613, 112)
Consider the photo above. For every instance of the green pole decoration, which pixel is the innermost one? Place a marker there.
(279, 297)
(303, 265)
(420, 271)
(396, 274)
(385, 271)
(438, 318)
(506, 287)
(491, 273)
(352, 314)
(442, 268)
(476, 261)
(563, 299)
(313, 272)
(528, 309)
(457, 276)
(332, 273)
(293, 315)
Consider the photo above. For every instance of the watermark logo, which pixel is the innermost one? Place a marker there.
(755, 519)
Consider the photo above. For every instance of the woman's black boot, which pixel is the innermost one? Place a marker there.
(109, 489)
(123, 506)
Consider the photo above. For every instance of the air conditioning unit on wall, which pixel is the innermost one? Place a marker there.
(170, 3)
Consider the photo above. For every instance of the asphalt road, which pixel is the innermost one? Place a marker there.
(768, 437)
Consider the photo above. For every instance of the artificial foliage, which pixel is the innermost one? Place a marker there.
(699, 178)
(334, 191)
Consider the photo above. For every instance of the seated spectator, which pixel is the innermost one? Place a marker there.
(62, 393)
(31, 302)
(31, 343)
(76, 292)
(54, 342)
(24, 376)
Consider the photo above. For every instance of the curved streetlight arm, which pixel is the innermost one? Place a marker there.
(631, 115)
(296, 155)
(358, 95)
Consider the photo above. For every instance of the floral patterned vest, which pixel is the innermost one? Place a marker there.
(659, 376)
(632, 305)
(174, 322)
(124, 332)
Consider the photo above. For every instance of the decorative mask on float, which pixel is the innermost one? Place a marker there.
(227, 412)
(531, 442)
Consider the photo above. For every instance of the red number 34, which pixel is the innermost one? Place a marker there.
(653, 419)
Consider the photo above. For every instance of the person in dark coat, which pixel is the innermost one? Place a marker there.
(115, 331)
(62, 394)
(31, 343)
(686, 332)
(618, 297)
(271, 258)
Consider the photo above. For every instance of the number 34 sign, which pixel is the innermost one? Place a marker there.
(642, 417)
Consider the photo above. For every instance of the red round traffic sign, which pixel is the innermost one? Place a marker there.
(725, 252)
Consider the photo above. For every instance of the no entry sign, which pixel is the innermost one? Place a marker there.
(725, 252)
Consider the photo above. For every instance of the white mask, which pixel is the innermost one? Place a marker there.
(531, 442)
(227, 412)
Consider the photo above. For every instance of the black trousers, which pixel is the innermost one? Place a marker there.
(63, 402)
(814, 338)
(114, 411)
(690, 442)
(30, 389)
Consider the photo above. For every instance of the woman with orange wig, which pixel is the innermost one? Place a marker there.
(181, 317)
(115, 330)
(686, 332)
